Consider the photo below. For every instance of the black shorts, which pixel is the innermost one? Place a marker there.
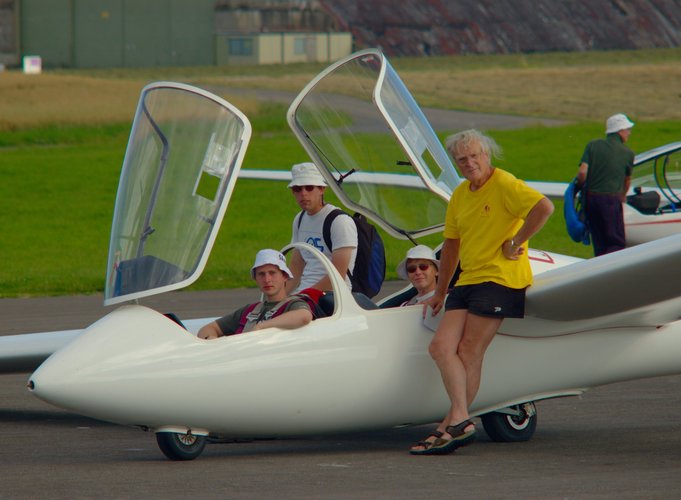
(488, 299)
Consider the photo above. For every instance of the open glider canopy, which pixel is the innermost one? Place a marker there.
(660, 169)
(357, 119)
(183, 158)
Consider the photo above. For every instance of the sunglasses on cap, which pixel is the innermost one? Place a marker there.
(412, 268)
(298, 189)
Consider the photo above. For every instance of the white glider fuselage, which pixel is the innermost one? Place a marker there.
(357, 369)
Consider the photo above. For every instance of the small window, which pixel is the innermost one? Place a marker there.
(299, 45)
(240, 47)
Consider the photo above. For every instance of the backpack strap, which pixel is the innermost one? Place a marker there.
(326, 231)
(278, 309)
(281, 306)
(243, 320)
(326, 228)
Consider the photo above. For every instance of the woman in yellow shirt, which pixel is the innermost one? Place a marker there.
(490, 218)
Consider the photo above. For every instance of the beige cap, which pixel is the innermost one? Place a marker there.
(306, 174)
(617, 122)
(417, 252)
(269, 256)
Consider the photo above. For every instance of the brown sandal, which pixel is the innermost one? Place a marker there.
(442, 446)
(427, 444)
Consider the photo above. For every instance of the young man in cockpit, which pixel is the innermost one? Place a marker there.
(278, 310)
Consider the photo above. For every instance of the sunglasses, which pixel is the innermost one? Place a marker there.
(422, 267)
(298, 189)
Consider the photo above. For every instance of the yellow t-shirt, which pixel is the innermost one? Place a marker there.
(482, 220)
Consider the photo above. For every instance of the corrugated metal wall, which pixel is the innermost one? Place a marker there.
(9, 36)
(46, 30)
(118, 33)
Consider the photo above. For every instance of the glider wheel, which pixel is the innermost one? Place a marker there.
(515, 425)
(177, 446)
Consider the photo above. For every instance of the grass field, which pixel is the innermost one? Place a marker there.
(63, 136)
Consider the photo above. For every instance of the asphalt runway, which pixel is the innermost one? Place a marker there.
(618, 441)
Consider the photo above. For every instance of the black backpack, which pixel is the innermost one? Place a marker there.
(369, 271)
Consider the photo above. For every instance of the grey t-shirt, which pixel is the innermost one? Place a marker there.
(229, 324)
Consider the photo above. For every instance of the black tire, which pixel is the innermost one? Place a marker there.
(177, 446)
(505, 428)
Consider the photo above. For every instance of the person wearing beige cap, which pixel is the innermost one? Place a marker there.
(605, 174)
(278, 310)
(307, 186)
(420, 267)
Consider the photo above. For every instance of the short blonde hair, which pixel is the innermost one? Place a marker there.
(471, 136)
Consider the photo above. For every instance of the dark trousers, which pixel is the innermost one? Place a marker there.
(606, 222)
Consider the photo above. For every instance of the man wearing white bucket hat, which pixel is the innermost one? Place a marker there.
(278, 310)
(606, 167)
(420, 267)
(307, 186)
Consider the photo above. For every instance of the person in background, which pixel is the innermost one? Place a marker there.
(308, 186)
(278, 310)
(490, 217)
(606, 167)
(420, 267)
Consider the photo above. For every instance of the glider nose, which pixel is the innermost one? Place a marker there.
(117, 359)
(51, 384)
(39, 385)
(40, 390)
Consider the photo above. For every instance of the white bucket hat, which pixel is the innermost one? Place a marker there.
(269, 256)
(417, 252)
(306, 174)
(617, 122)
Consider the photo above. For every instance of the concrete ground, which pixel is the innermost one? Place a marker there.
(618, 441)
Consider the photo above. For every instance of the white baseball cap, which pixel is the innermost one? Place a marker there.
(269, 256)
(617, 122)
(306, 174)
(417, 252)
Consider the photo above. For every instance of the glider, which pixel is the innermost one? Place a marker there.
(588, 322)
